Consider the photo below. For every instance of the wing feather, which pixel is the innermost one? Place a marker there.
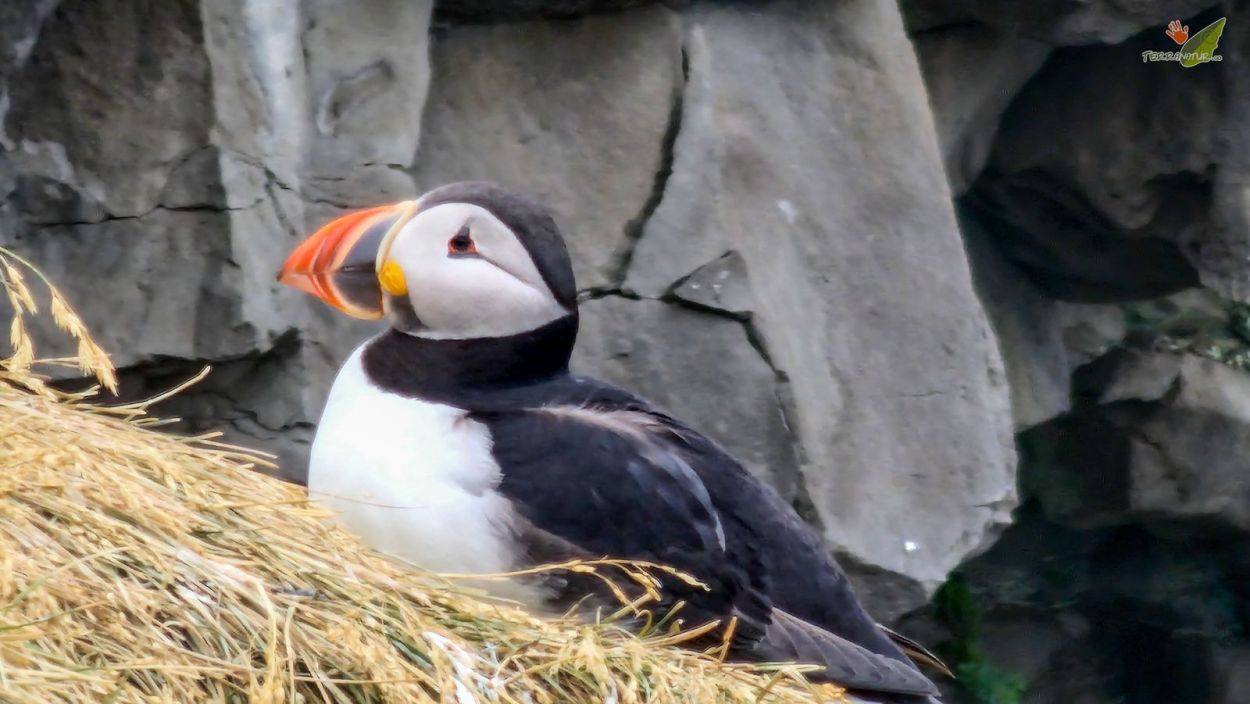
(789, 638)
(619, 479)
(617, 486)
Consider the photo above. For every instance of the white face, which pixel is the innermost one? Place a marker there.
(467, 276)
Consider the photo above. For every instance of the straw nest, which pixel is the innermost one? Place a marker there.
(141, 566)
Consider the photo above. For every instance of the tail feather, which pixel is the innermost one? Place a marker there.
(918, 653)
(789, 638)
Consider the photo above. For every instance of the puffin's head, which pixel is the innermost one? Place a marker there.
(467, 260)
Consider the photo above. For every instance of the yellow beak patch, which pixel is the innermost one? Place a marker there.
(392, 279)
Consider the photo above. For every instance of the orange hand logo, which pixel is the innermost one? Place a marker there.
(1178, 33)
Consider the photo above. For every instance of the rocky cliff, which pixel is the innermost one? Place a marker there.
(871, 248)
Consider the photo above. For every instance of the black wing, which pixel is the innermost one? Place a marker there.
(602, 474)
(594, 483)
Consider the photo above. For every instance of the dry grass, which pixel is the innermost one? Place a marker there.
(140, 566)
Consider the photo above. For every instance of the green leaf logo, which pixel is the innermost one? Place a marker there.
(1201, 47)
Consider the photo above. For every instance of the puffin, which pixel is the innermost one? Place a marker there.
(459, 440)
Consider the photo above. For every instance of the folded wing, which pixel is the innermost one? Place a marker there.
(621, 481)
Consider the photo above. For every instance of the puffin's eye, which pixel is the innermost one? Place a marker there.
(462, 243)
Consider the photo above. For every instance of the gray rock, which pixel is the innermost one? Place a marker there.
(1141, 377)
(1099, 615)
(367, 75)
(1157, 437)
(115, 145)
(1189, 461)
(887, 595)
(821, 202)
(1223, 253)
(1122, 208)
(48, 201)
(152, 286)
(720, 285)
(1159, 108)
(1059, 22)
(20, 23)
(164, 205)
(1089, 331)
(573, 112)
(1232, 667)
(1070, 250)
(196, 181)
(972, 73)
(495, 10)
(1028, 327)
(701, 367)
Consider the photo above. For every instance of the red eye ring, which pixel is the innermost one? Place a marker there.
(462, 242)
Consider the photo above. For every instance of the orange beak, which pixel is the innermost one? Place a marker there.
(338, 263)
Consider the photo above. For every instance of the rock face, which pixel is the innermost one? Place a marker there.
(698, 206)
(811, 241)
(644, 345)
(1025, 321)
(1059, 22)
(478, 11)
(721, 224)
(1140, 210)
(860, 243)
(1105, 222)
(970, 105)
(555, 106)
(165, 202)
(1173, 432)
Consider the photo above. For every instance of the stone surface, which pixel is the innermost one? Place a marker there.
(164, 203)
(366, 85)
(646, 346)
(20, 23)
(823, 207)
(1124, 209)
(1188, 461)
(1060, 22)
(268, 118)
(170, 296)
(1103, 615)
(1156, 106)
(1027, 326)
(972, 74)
(1155, 437)
(495, 10)
(576, 113)
(720, 285)
(94, 148)
(1070, 250)
(1089, 331)
(1223, 254)
(1107, 187)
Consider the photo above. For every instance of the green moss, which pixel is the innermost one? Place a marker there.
(1218, 330)
(987, 684)
(955, 607)
(1239, 321)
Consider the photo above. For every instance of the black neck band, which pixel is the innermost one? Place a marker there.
(453, 370)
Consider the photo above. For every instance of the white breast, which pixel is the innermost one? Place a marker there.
(413, 479)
